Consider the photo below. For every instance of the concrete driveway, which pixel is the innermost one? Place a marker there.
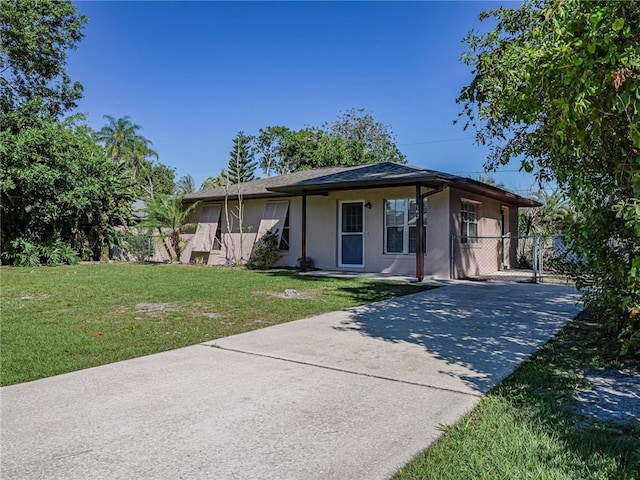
(353, 394)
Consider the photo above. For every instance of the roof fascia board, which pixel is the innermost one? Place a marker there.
(312, 189)
(496, 194)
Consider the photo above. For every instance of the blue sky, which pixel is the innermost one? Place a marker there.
(195, 73)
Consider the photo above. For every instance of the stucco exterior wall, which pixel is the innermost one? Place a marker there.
(323, 240)
(322, 232)
(485, 256)
(237, 247)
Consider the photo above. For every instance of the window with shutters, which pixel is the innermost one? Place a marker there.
(208, 232)
(275, 218)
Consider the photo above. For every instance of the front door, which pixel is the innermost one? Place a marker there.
(351, 235)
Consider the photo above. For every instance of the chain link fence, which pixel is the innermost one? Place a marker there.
(537, 258)
(139, 248)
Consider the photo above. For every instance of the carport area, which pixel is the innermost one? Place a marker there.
(351, 394)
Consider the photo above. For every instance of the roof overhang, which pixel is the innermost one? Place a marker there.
(325, 188)
(470, 185)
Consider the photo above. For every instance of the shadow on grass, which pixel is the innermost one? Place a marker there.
(530, 423)
(546, 385)
(366, 291)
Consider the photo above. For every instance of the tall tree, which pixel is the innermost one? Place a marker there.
(370, 141)
(123, 142)
(556, 86)
(241, 167)
(35, 36)
(354, 138)
(159, 179)
(55, 183)
(268, 145)
(186, 184)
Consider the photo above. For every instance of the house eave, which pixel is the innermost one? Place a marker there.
(496, 193)
(324, 189)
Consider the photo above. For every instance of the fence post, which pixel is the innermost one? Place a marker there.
(534, 256)
(452, 258)
(541, 263)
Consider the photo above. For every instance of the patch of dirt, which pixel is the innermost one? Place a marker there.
(211, 315)
(155, 307)
(614, 396)
(42, 296)
(288, 294)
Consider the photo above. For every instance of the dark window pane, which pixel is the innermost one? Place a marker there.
(352, 220)
(352, 249)
(413, 239)
(284, 239)
(394, 239)
(395, 213)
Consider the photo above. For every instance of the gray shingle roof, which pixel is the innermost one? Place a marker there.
(262, 186)
(373, 175)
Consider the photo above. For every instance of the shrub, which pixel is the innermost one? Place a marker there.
(308, 263)
(265, 254)
(28, 252)
(21, 252)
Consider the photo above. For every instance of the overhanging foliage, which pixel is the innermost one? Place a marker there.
(556, 86)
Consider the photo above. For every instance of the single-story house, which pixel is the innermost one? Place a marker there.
(383, 217)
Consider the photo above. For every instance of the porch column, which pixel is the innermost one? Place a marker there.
(303, 262)
(419, 239)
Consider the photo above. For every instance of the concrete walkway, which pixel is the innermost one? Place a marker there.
(353, 394)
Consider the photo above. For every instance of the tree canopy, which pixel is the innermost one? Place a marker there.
(354, 138)
(35, 36)
(556, 87)
(124, 143)
(57, 183)
(57, 186)
(241, 166)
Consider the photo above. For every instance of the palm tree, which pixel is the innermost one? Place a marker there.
(555, 214)
(123, 143)
(118, 136)
(210, 183)
(185, 185)
(167, 214)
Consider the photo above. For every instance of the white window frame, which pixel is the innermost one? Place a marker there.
(465, 222)
(405, 227)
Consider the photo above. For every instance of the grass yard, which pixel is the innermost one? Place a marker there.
(528, 426)
(61, 319)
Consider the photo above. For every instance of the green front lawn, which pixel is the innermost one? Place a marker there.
(528, 427)
(61, 319)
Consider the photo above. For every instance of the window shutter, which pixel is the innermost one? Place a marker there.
(273, 219)
(207, 227)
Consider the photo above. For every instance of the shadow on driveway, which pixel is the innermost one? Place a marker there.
(487, 328)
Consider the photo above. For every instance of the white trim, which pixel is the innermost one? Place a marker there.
(340, 234)
(406, 244)
(464, 235)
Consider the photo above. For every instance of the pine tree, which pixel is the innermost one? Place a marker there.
(241, 167)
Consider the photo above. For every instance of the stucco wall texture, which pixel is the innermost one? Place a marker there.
(323, 218)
